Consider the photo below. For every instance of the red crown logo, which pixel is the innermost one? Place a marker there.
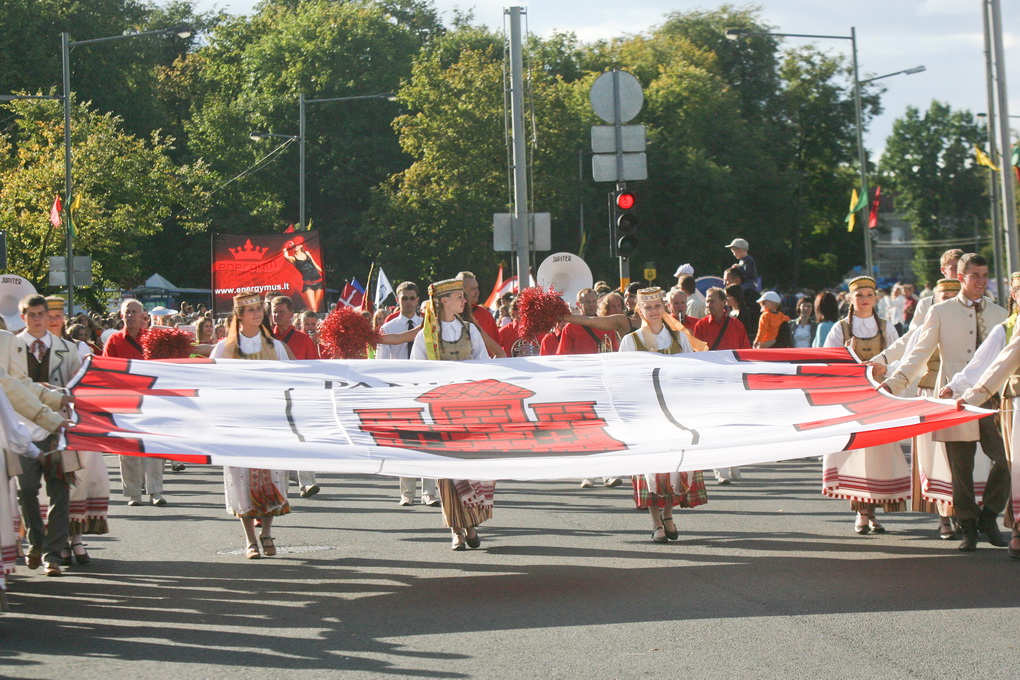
(248, 251)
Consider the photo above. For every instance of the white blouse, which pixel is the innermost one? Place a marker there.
(249, 346)
(451, 330)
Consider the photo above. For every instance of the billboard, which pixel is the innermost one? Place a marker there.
(270, 264)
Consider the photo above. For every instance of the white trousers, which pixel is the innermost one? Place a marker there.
(134, 470)
(428, 487)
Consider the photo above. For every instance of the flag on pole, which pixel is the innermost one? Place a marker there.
(856, 203)
(352, 294)
(383, 289)
(76, 203)
(983, 159)
(873, 213)
(366, 301)
(55, 211)
(289, 229)
(494, 295)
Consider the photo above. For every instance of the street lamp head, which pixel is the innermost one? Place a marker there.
(181, 31)
(916, 69)
(389, 96)
(736, 33)
(258, 136)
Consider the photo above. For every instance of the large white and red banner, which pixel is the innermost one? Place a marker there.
(526, 418)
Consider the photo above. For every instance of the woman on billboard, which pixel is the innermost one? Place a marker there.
(313, 284)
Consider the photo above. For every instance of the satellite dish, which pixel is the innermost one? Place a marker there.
(12, 289)
(565, 273)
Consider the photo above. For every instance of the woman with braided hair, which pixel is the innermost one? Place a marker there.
(877, 475)
(253, 493)
(446, 336)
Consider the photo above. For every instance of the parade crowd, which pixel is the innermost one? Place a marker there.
(949, 341)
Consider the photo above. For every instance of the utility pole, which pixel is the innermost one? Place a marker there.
(519, 215)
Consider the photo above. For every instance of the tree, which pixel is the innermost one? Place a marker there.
(928, 166)
(249, 77)
(129, 188)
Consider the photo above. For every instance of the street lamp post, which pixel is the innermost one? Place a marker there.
(65, 50)
(301, 136)
(735, 34)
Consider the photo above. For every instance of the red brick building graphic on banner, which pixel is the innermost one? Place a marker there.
(489, 416)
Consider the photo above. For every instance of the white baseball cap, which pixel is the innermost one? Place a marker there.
(684, 270)
(771, 296)
(739, 243)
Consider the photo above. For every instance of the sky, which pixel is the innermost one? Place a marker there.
(946, 36)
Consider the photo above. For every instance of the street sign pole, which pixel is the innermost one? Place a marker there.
(520, 207)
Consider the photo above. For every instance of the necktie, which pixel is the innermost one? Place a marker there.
(39, 350)
(978, 309)
(410, 327)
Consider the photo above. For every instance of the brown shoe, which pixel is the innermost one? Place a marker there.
(52, 569)
(34, 559)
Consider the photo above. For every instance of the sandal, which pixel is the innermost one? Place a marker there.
(673, 535)
(458, 542)
(268, 546)
(861, 525)
(252, 552)
(659, 535)
(874, 525)
(83, 556)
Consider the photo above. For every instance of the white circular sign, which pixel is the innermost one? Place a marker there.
(603, 96)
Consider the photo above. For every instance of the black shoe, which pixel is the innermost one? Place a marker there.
(659, 535)
(968, 529)
(177, 467)
(670, 535)
(987, 525)
(65, 557)
(1014, 553)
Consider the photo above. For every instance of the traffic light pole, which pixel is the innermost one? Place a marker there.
(624, 261)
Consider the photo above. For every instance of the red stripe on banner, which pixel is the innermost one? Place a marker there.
(862, 440)
(797, 355)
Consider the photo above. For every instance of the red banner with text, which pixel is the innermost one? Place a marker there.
(270, 264)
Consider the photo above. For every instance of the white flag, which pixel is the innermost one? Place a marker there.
(382, 288)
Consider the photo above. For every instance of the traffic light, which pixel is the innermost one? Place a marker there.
(626, 223)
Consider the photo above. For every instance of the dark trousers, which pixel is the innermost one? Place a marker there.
(961, 464)
(49, 537)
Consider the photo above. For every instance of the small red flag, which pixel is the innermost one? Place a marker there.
(55, 211)
(289, 230)
(873, 215)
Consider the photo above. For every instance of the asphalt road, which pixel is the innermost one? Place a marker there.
(767, 581)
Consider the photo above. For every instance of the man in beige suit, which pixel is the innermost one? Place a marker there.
(955, 328)
(52, 360)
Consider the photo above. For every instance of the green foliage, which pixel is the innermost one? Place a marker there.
(129, 188)
(744, 138)
(928, 164)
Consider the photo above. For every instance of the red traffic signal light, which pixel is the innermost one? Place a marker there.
(625, 200)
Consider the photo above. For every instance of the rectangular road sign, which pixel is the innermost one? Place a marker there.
(540, 233)
(603, 138)
(604, 169)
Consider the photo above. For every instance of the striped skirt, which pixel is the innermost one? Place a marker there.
(456, 515)
(665, 496)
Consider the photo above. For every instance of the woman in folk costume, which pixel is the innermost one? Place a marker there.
(446, 336)
(877, 475)
(253, 493)
(661, 492)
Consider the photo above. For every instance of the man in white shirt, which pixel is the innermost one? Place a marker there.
(407, 298)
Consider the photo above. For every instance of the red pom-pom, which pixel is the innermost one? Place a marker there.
(346, 334)
(539, 311)
(167, 343)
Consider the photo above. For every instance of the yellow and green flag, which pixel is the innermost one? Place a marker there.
(983, 159)
(856, 203)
